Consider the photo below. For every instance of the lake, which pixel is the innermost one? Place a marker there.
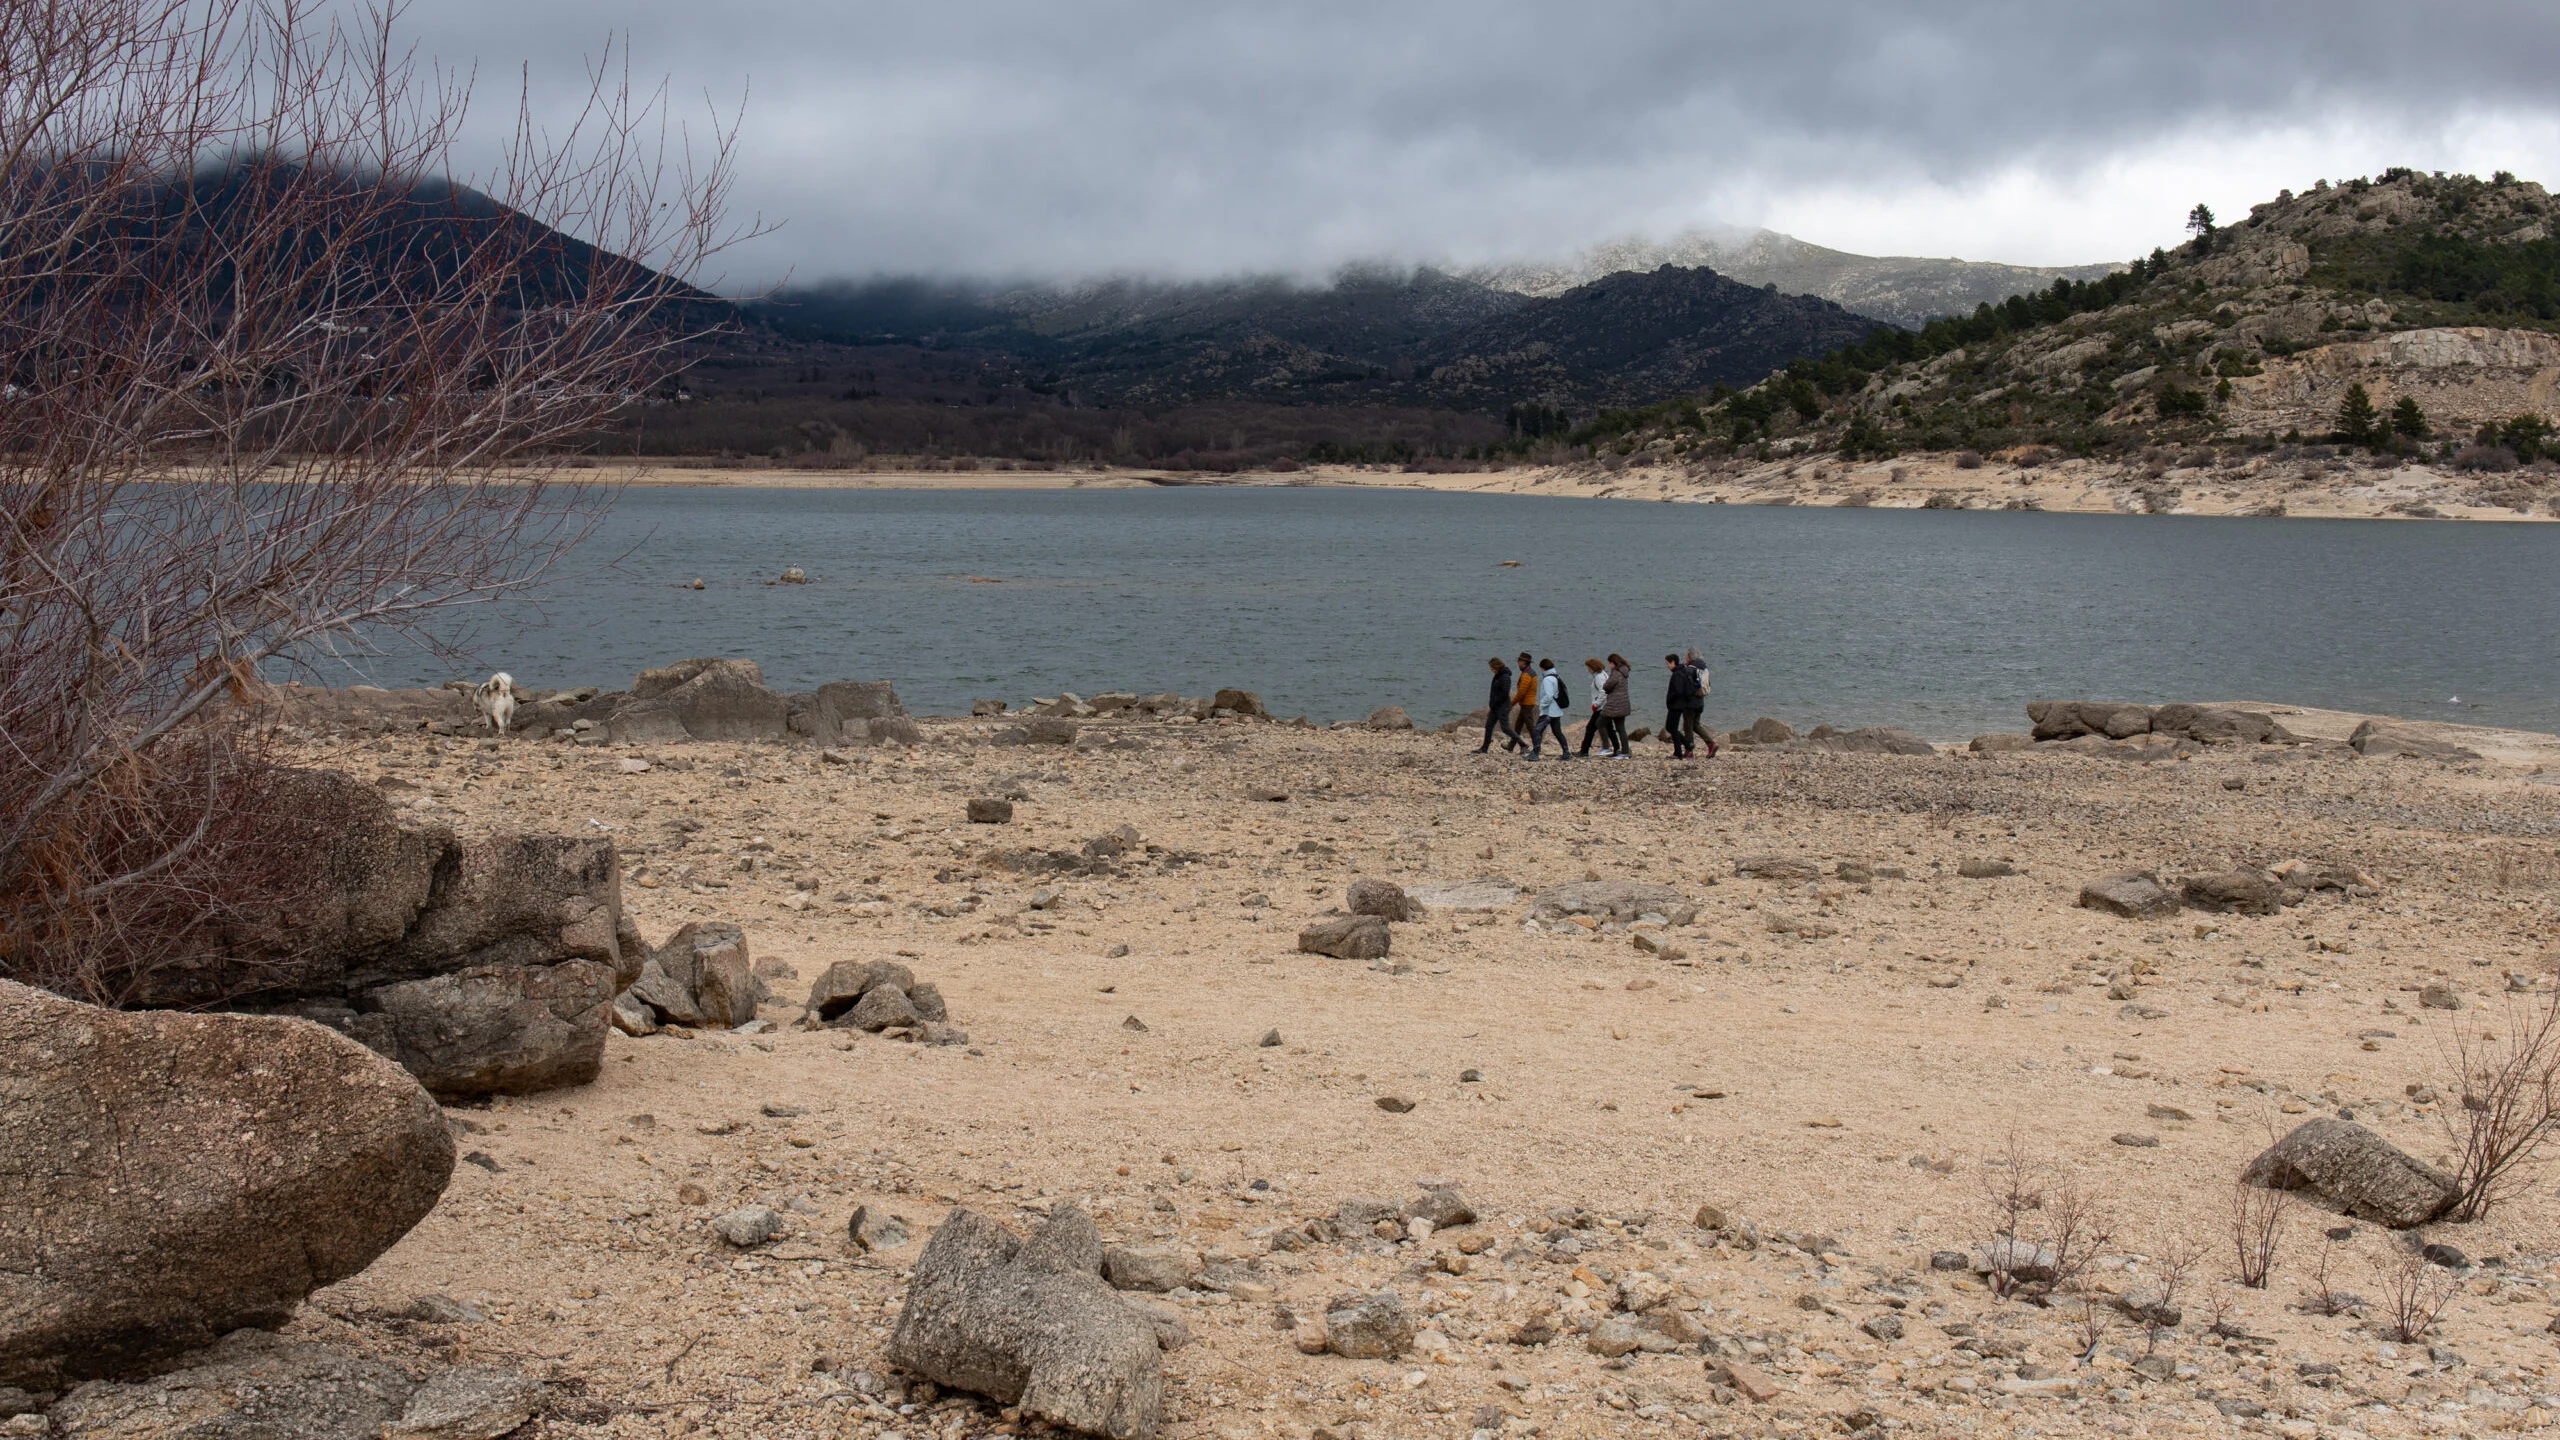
(1332, 602)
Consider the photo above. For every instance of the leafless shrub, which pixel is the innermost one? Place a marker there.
(2323, 1298)
(2257, 1230)
(2414, 1296)
(276, 381)
(1969, 460)
(2509, 1081)
(2493, 459)
(2091, 1325)
(2053, 1228)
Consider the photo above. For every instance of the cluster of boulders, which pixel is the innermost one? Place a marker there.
(1360, 930)
(709, 698)
(2242, 890)
(1056, 720)
(1770, 734)
(883, 997)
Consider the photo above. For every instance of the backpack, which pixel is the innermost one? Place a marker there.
(1684, 688)
(1704, 685)
(1564, 697)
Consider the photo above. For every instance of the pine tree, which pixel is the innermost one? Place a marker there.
(2407, 420)
(2358, 422)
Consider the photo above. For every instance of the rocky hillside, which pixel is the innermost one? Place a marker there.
(1903, 290)
(2411, 320)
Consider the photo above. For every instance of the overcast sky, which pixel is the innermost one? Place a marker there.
(1055, 138)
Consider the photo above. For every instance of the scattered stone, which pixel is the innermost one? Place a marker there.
(2132, 1140)
(2439, 1253)
(1353, 937)
(121, 1252)
(466, 1405)
(1443, 1207)
(1618, 1335)
(2130, 895)
(1389, 717)
(1032, 1324)
(1950, 1260)
(1264, 795)
(2034, 1264)
(881, 1007)
(1886, 1327)
(2243, 891)
(2360, 1170)
(990, 812)
(2437, 995)
(873, 1229)
(442, 1310)
(1156, 1268)
(1383, 898)
(1270, 1040)
(1484, 894)
(1395, 1104)
(701, 976)
(1368, 1327)
(2165, 1112)
(1133, 1023)
(2000, 744)
(748, 1226)
(1745, 1380)
(1624, 901)
(251, 1385)
(1777, 867)
(1981, 868)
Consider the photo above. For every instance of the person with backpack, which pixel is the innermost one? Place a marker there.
(1497, 709)
(1681, 703)
(1697, 730)
(1595, 724)
(1552, 698)
(1617, 703)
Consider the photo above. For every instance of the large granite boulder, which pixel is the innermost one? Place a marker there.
(170, 1177)
(2131, 894)
(701, 699)
(483, 964)
(853, 712)
(1032, 1324)
(2377, 740)
(2358, 1169)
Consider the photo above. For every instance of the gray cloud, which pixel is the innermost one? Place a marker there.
(1191, 137)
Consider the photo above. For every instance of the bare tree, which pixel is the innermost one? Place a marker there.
(2414, 1295)
(2509, 1081)
(271, 371)
(2257, 1230)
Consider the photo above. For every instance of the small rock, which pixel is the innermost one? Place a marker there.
(1711, 1217)
(1383, 898)
(442, 1310)
(467, 1404)
(1982, 868)
(2446, 1256)
(2133, 1141)
(1950, 1260)
(1441, 1206)
(1134, 1023)
(2166, 1112)
(689, 1193)
(1753, 1386)
(748, 1226)
(990, 812)
(1157, 1268)
(777, 1110)
(1353, 937)
(1368, 1327)
(873, 1229)
(1886, 1327)
(1395, 1104)
(1270, 1040)
(1618, 1335)
(2437, 995)
(2131, 895)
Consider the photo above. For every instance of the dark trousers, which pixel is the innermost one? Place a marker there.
(1676, 728)
(1598, 725)
(1539, 729)
(1686, 724)
(1498, 717)
(1612, 730)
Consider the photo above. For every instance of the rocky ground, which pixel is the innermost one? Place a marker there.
(1734, 1144)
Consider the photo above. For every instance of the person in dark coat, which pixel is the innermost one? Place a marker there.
(1497, 709)
(1617, 703)
(1681, 703)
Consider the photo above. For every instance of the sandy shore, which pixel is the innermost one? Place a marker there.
(1841, 1064)
(2303, 489)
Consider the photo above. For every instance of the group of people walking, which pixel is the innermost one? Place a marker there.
(1535, 698)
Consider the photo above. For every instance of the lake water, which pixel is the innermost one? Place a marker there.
(1333, 602)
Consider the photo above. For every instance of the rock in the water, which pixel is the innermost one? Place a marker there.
(875, 1229)
(253, 1160)
(2379, 741)
(1368, 1327)
(2357, 1168)
(1390, 717)
(2131, 894)
(2243, 891)
(748, 1226)
(1148, 1267)
(1352, 937)
(1242, 702)
(990, 812)
(1765, 731)
(1620, 900)
(1383, 898)
(1031, 1324)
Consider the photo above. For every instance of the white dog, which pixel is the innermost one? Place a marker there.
(496, 697)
